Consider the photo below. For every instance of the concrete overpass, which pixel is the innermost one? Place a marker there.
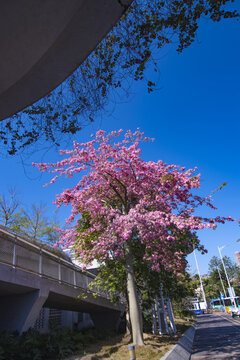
(43, 42)
(32, 277)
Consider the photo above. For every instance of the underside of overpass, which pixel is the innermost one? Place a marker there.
(23, 294)
(43, 42)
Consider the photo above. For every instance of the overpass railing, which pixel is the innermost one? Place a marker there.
(19, 252)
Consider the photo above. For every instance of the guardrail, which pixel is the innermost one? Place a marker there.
(20, 252)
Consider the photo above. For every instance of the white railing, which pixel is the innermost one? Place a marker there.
(26, 254)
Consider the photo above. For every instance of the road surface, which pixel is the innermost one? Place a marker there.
(217, 337)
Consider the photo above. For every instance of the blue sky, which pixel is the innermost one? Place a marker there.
(194, 117)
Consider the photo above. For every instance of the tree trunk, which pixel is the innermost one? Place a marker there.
(134, 307)
(128, 321)
(128, 324)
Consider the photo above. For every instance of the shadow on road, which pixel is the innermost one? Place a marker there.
(215, 338)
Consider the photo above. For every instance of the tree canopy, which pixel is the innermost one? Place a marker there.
(212, 284)
(122, 57)
(123, 206)
(36, 224)
(31, 222)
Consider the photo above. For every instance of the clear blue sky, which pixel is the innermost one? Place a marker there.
(195, 119)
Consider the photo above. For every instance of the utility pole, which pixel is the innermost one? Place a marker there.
(203, 293)
(222, 287)
(229, 285)
(220, 276)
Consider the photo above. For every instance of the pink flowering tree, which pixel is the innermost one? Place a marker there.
(121, 199)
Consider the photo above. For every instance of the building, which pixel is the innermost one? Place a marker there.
(237, 257)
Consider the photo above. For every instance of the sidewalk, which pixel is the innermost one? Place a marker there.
(216, 337)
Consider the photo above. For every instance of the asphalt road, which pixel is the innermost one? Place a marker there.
(217, 337)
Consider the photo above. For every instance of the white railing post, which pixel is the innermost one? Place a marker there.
(59, 271)
(40, 263)
(74, 279)
(15, 253)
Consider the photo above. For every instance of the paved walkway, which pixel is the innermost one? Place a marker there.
(216, 337)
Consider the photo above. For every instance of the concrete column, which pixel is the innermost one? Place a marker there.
(106, 319)
(85, 321)
(18, 312)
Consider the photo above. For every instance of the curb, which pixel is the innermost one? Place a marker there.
(183, 349)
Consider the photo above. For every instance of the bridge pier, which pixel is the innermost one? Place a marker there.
(106, 320)
(18, 312)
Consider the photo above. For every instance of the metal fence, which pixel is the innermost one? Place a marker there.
(20, 253)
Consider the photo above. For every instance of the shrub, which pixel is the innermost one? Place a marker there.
(55, 345)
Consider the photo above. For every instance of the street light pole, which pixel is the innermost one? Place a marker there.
(204, 297)
(229, 285)
(221, 282)
(222, 287)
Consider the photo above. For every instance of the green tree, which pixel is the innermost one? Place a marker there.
(34, 223)
(112, 276)
(212, 283)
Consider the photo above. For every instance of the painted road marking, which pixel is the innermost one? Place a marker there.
(235, 322)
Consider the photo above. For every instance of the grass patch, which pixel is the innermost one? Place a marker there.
(116, 347)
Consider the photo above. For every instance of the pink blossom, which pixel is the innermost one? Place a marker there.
(124, 196)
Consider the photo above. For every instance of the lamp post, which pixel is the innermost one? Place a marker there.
(229, 285)
(203, 293)
(222, 287)
(220, 276)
